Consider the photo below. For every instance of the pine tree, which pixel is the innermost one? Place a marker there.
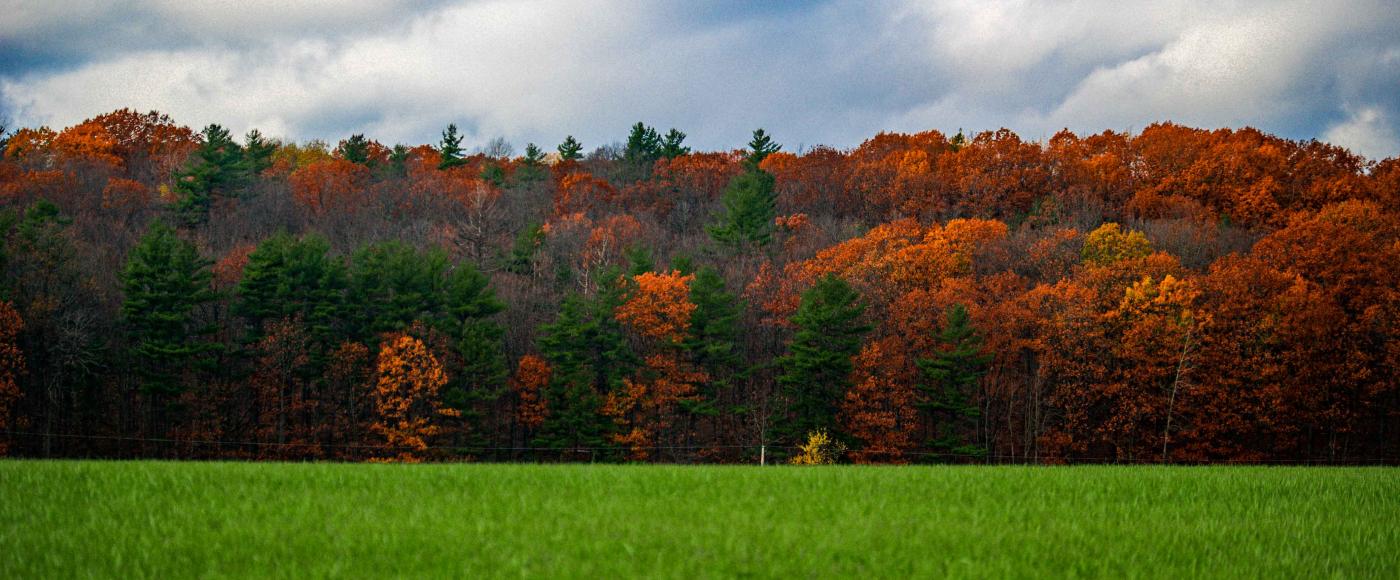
(639, 260)
(750, 207)
(450, 150)
(398, 162)
(522, 252)
(493, 173)
(531, 164)
(287, 278)
(958, 141)
(641, 152)
(215, 168)
(165, 281)
(257, 152)
(570, 149)
(534, 156)
(750, 203)
(391, 285)
(671, 146)
(588, 351)
(355, 149)
(760, 147)
(713, 336)
(817, 368)
(469, 303)
(953, 375)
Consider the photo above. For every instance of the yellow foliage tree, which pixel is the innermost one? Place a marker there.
(1109, 244)
(820, 449)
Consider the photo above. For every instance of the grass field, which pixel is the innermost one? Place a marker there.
(172, 520)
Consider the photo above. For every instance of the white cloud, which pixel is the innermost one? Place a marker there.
(1368, 132)
(835, 73)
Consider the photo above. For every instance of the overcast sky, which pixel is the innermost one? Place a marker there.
(812, 73)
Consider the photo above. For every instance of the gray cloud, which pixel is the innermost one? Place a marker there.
(832, 73)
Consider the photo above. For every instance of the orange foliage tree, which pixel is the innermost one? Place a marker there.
(409, 412)
(531, 376)
(330, 184)
(657, 312)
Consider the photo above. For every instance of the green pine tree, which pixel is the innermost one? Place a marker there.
(355, 149)
(671, 146)
(532, 167)
(469, 305)
(953, 375)
(534, 156)
(522, 252)
(215, 169)
(398, 163)
(750, 203)
(391, 286)
(450, 149)
(713, 337)
(570, 149)
(257, 152)
(493, 173)
(750, 207)
(589, 354)
(641, 152)
(639, 260)
(760, 147)
(817, 368)
(288, 277)
(165, 281)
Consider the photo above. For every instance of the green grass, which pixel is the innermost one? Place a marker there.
(173, 520)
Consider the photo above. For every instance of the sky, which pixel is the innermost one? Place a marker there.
(832, 73)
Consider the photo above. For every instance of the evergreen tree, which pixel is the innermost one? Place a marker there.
(642, 150)
(469, 304)
(570, 149)
(534, 156)
(639, 260)
(165, 281)
(522, 252)
(293, 278)
(257, 152)
(216, 168)
(37, 258)
(760, 147)
(391, 285)
(8, 219)
(588, 351)
(671, 146)
(398, 161)
(750, 207)
(817, 368)
(355, 149)
(750, 203)
(953, 375)
(713, 336)
(450, 149)
(493, 173)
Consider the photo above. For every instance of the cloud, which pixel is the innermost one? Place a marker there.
(830, 72)
(1367, 132)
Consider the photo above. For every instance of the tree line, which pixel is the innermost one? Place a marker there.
(1176, 295)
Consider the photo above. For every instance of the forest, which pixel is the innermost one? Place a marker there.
(1174, 295)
